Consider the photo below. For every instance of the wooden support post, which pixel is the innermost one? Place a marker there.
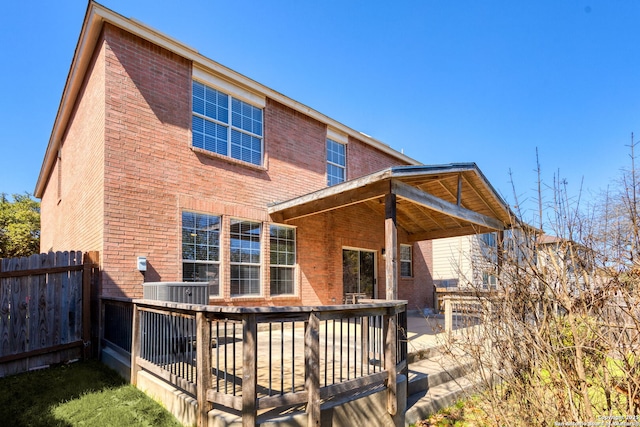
(203, 360)
(312, 369)
(390, 330)
(391, 246)
(249, 370)
(135, 344)
(448, 315)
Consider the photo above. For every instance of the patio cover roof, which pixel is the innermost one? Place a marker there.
(432, 201)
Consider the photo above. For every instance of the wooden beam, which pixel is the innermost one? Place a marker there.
(424, 211)
(408, 220)
(475, 190)
(312, 204)
(459, 195)
(434, 203)
(391, 246)
(451, 232)
(450, 192)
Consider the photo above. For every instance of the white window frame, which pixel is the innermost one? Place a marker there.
(228, 124)
(330, 163)
(254, 264)
(404, 260)
(289, 264)
(194, 231)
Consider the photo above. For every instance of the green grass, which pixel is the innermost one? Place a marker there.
(80, 394)
(464, 413)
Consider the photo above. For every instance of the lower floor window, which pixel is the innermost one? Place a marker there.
(245, 257)
(282, 259)
(201, 250)
(406, 269)
(245, 280)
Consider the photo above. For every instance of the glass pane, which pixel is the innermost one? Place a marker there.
(336, 153)
(188, 252)
(282, 280)
(245, 280)
(198, 105)
(198, 90)
(246, 147)
(200, 237)
(335, 174)
(199, 272)
(367, 273)
(358, 272)
(405, 269)
(350, 271)
(188, 236)
(405, 252)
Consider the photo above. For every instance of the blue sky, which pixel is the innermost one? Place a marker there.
(444, 81)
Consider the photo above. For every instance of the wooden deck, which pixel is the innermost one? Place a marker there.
(270, 357)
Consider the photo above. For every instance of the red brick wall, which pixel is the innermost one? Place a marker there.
(147, 130)
(321, 239)
(363, 159)
(72, 203)
(419, 291)
(150, 174)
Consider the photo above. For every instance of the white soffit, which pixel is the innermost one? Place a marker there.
(337, 136)
(228, 87)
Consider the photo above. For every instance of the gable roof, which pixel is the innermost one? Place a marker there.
(431, 201)
(95, 18)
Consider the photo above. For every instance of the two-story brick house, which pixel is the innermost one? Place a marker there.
(162, 153)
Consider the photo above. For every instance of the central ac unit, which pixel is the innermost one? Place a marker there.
(185, 292)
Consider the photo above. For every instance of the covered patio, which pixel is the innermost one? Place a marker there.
(420, 202)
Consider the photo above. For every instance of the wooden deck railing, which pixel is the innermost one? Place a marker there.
(270, 357)
(464, 311)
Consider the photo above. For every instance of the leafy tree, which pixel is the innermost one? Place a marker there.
(19, 226)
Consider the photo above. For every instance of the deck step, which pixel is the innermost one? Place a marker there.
(423, 404)
(426, 374)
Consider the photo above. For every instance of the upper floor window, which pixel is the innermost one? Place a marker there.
(406, 268)
(201, 250)
(336, 162)
(225, 125)
(489, 246)
(283, 259)
(245, 257)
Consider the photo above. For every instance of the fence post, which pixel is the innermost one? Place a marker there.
(448, 315)
(390, 332)
(203, 369)
(89, 303)
(312, 369)
(249, 369)
(135, 344)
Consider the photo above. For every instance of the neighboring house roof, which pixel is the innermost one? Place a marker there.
(94, 19)
(432, 201)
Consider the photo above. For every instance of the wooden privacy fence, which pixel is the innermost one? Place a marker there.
(45, 309)
(249, 360)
